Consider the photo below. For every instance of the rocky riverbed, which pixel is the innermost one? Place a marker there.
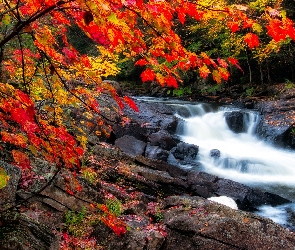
(164, 206)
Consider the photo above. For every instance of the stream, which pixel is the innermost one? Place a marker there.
(244, 157)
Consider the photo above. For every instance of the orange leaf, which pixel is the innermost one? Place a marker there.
(252, 40)
(21, 159)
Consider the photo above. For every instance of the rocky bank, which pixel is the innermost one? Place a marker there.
(162, 205)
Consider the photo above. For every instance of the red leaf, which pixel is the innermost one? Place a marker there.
(222, 63)
(171, 82)
(131, 103)
(234, 62)
(141, 62)
(71, 54)
(181, 16)
(234, 26)
(252, 40)
(147, 75)
(21, 159)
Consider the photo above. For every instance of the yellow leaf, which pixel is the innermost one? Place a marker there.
(3, 178)
(113, 18)
(256, 27)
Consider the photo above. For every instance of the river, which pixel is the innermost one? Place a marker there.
(244, 157)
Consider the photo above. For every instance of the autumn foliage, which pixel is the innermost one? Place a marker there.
(42, 73)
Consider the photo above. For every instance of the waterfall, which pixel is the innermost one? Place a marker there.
(243, 157)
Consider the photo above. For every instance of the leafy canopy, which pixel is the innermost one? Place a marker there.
(42, 73)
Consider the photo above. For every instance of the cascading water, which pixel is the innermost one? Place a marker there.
(242, 157)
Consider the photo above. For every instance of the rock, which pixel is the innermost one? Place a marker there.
(162, 139)
(247, 198)
(235, 121)
(194, 223)
(156, 152)
(19, 232)
(154, 116)
(173, 170)
(8, 193)
(215, 153)
(185, 152)
(116, 85)
(130, 145)
(277, 122)
(202, 184)
(133, 128)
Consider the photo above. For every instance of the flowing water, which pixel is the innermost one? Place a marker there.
(244, 157)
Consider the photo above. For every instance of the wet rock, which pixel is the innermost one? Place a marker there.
(183, 153)
(247, 198)
(133, 128)
(235, 121)
(215, 153)
(162, 139)
(130, 145)
(277, 123)
(156, 152)
(154, 116)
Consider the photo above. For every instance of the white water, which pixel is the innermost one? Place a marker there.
(243, 157)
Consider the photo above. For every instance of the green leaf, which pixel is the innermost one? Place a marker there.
(6, 19)
(3, 178)
(113, 18)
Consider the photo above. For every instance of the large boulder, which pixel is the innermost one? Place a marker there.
(130, 145)
(154, 116)
(277, 123)
(235, 121)
(195, 223)
(183, 154)
(187, 222)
